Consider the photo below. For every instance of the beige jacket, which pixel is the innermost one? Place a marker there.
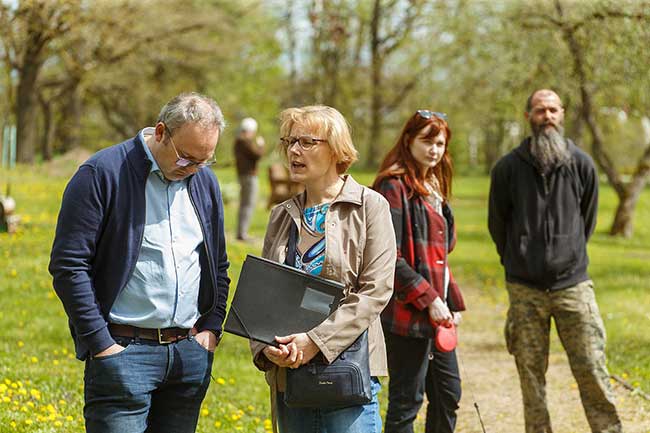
(360, 252)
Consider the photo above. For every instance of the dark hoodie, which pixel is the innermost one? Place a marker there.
(541, 223)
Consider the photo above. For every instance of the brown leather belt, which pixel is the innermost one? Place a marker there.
(162, 336)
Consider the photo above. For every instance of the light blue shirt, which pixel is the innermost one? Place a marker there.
(163, 290)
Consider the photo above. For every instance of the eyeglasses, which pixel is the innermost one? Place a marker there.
(426, 114)
(304, 141)
(184, 162)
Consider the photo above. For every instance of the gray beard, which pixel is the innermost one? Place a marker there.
(549, 148)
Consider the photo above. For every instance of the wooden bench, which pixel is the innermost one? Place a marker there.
(282, 187)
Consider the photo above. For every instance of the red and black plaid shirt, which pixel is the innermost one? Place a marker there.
(424, 237)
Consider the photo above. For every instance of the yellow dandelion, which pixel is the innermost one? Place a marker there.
(13, 424)
(62, 402)
(14, 385)
(35, 393)
(29, 422)
(33, 359)
(30, 404)
(58, 423)
(22, 391)
(217, 424)
(55, 362)
(3, 388)
(69, 418)
(267, 423)
(50, 408)
(7, 381)
(205, 412)
(6, 399)
(13, 273)
(24, 409)
(20, 384)
(221, 381)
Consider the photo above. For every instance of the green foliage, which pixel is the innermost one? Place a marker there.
(41, 382)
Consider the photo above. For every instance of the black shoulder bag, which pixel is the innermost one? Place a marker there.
(343, 383)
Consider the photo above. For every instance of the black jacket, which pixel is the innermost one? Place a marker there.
(541, 224)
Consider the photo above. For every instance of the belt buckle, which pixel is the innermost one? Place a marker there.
(160, 339)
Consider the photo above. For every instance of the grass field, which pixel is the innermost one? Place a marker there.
(41, 382)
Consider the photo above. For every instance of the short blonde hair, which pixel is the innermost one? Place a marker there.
(328, 122)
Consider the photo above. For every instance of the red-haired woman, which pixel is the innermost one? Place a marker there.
(415, 178)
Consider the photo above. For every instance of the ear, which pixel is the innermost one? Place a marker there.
(526, 115)
(159, 131)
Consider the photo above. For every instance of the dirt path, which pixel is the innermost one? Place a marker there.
(490, 377)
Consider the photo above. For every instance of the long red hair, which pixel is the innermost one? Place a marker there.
(400, 162)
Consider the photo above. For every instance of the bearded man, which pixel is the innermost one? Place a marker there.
(542, 211)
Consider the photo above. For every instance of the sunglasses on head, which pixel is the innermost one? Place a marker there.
(426, 114)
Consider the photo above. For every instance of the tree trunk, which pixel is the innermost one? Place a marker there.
(494, 137)
(69, 135)
(47, 138)
(376, 101)
(26, 114)
(628, 195)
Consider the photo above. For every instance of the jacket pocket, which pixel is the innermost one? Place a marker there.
(562, 254)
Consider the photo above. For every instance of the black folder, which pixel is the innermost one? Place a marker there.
(275, 299)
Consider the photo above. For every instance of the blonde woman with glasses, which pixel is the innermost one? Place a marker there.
(344, 234)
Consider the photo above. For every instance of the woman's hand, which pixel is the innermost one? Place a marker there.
(286, 355)
(457, 318)
(439, 312)
(303, 343)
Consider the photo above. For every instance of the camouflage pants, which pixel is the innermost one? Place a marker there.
(582, 334)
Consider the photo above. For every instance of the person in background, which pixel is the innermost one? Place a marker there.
(249, 148)
(415, 177)
(542, 211)
(139, 262)
(344, 234)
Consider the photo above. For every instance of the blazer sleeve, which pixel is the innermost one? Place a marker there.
(410, 287)
(361, 307)
(78, 228)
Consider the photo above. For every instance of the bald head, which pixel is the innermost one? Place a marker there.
(546, 94)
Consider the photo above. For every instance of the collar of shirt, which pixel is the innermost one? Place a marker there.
(145, 133)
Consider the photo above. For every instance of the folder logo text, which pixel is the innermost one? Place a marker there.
(325, 382)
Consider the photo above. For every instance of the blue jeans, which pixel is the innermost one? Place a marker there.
(355, 419)
(148, 387)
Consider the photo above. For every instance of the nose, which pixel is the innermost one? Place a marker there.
(294, 148)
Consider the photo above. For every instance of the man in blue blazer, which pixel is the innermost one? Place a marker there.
(139, 262)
